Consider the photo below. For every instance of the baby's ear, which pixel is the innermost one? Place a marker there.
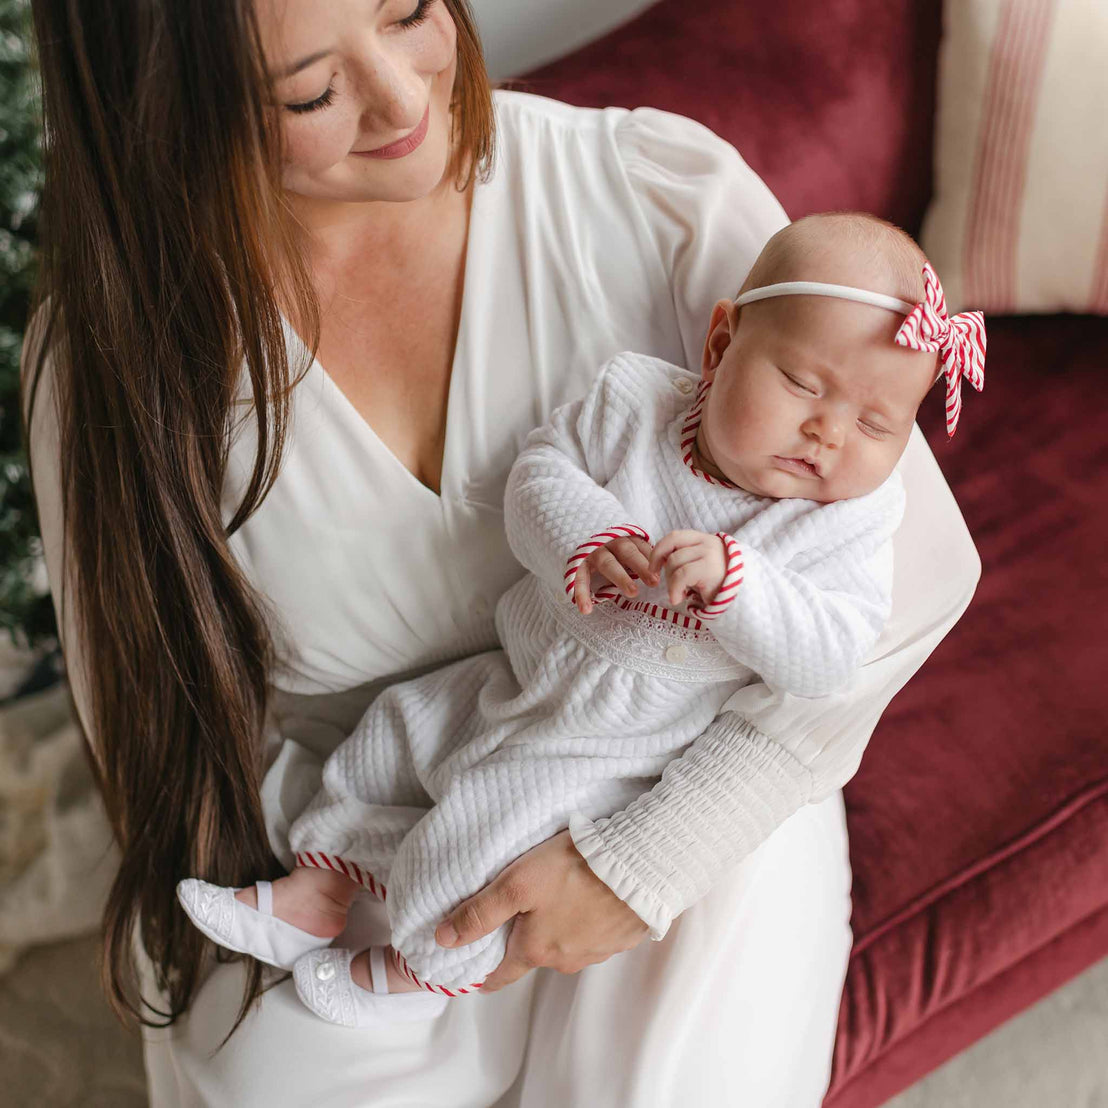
(720, 332)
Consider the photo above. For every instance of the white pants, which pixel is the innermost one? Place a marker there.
(736, 1006)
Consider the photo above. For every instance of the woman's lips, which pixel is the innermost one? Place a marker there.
(402, 147)
(797, 466)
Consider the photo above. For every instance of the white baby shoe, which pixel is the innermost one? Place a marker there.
(237, 926)
(324, 984)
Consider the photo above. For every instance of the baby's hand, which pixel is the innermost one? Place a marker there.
(619, 561)
(695, 563)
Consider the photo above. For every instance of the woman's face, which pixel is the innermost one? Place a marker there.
(362, 93)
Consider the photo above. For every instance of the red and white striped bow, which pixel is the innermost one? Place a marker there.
(960, 339)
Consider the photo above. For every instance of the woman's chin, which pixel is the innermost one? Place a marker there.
(360, 180)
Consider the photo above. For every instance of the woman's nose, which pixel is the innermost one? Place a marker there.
(394, 95)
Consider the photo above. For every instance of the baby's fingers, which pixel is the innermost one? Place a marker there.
(582, 589)
(606, 563)
(634, 555)
(684, 578)
(675, 540)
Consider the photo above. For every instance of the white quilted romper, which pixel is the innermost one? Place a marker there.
(453, 775)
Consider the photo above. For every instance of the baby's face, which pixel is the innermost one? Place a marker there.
(810, 396)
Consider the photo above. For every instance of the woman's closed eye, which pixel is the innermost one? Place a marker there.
(418, 14)
(314, 105)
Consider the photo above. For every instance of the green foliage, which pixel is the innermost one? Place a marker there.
(25, 613)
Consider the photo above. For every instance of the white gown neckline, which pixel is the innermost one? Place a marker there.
(451, 478)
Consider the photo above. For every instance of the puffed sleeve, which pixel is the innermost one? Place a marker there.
(706, 211)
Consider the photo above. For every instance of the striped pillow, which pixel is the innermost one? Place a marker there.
(1019, 217)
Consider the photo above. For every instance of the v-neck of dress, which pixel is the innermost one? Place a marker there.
(448, 470)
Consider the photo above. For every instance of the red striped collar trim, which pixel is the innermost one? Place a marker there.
(688, 438)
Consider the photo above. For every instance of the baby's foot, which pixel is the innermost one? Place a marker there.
(325, 982)
(313, 900)
(398, 982)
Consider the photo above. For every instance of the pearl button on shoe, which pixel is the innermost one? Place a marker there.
(323, 983)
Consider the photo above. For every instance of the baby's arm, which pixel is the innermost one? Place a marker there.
(805, 624)
(555, 500)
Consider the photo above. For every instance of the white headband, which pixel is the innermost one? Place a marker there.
(818, 288)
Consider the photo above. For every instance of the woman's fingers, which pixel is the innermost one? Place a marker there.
(568, 920)
(494, 905)
(510, 969)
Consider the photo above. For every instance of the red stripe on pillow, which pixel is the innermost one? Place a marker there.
(1007, 122)
(1098, 298)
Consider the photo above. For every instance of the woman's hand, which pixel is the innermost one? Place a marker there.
(567, 917)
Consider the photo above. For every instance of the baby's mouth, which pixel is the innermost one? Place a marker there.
(800, 466)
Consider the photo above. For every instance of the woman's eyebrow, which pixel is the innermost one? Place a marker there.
(296, 67)
(311, 59)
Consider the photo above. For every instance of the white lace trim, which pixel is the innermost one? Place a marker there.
(636, 641)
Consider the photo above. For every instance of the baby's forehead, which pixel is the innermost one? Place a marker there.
(877, 372)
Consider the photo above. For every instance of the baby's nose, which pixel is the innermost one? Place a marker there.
(826, 430)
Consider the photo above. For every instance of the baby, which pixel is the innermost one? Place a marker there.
(769, 484)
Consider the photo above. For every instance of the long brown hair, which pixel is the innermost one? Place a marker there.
(166, 264)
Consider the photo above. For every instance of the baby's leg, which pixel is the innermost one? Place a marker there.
(314, 900)
(490, 815)
(368, 800)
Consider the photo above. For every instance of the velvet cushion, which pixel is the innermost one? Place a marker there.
(830, 103)
(994, 755)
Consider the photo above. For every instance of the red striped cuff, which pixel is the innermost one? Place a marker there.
(594, 542)
(732, 579)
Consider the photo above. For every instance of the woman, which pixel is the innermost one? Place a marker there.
(252, 545)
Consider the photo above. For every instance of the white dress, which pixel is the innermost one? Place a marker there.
(599, 231)
(579, 714)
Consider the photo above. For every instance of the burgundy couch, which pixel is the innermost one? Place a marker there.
(979, 817)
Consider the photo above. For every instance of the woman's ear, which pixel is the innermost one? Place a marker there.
(720, 333)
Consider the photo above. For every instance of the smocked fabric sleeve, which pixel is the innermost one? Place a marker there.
(707, 213)
(770, 752)
(555, 502)
(804, 624)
